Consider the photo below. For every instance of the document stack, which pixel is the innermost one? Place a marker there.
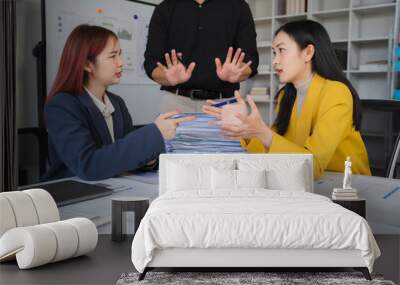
(259, 91)
(263, 69)
(260, 94)
(344, 194)
(375, 66)
(198, 136)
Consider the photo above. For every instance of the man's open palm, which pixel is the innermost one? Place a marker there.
(175, 72)
(233, 68)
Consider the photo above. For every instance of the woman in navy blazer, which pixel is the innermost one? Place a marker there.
(90, 131)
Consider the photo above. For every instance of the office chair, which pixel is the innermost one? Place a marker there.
(380, 128)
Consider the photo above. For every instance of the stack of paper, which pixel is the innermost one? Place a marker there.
(344, 194)
(259, 91)
(198, 136)
(377, 65)
(263, 68)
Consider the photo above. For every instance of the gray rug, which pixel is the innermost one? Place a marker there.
(243, 278)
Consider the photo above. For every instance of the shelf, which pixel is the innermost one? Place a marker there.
(336, 24)
(355, 71)
(369, 40)
(331, 13)
(364, 32)
(262, 98)
(291, 17)
(262, 19)
(374, 9)
(339, 41)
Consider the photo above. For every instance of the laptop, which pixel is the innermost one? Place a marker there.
(70, 191)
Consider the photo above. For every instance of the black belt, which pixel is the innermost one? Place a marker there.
(200, 94)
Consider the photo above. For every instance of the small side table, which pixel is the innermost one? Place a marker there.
(358, 206)
(120, 205)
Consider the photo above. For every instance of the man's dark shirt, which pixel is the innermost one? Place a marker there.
(201, 33)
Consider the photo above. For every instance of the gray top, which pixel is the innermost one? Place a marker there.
(301, 94)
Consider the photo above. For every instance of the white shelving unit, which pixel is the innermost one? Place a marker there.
(367, 29)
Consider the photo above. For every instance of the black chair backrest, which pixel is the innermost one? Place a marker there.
(380, 129)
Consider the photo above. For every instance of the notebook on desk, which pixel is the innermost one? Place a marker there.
(69, 191)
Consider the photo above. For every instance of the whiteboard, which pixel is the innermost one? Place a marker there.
(129, 20)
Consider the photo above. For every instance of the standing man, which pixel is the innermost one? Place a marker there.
(199, 50)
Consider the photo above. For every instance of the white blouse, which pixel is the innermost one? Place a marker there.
(106, 109)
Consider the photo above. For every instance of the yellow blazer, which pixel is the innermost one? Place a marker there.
(323, 128)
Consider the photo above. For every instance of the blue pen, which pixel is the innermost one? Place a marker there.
(391, 192)
(230, 101)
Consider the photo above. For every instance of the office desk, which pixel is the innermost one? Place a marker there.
(102, 266)
(99, 210)
(382, 199)
(109, 260)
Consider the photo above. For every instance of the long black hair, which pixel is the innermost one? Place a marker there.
(324, 63)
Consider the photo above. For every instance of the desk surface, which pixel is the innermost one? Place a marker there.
(382, 195)
(102, 266)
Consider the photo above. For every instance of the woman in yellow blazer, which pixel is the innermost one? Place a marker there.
(318, 108)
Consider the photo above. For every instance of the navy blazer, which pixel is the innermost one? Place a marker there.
(80, 143)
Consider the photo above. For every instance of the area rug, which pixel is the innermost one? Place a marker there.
(244, 278)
